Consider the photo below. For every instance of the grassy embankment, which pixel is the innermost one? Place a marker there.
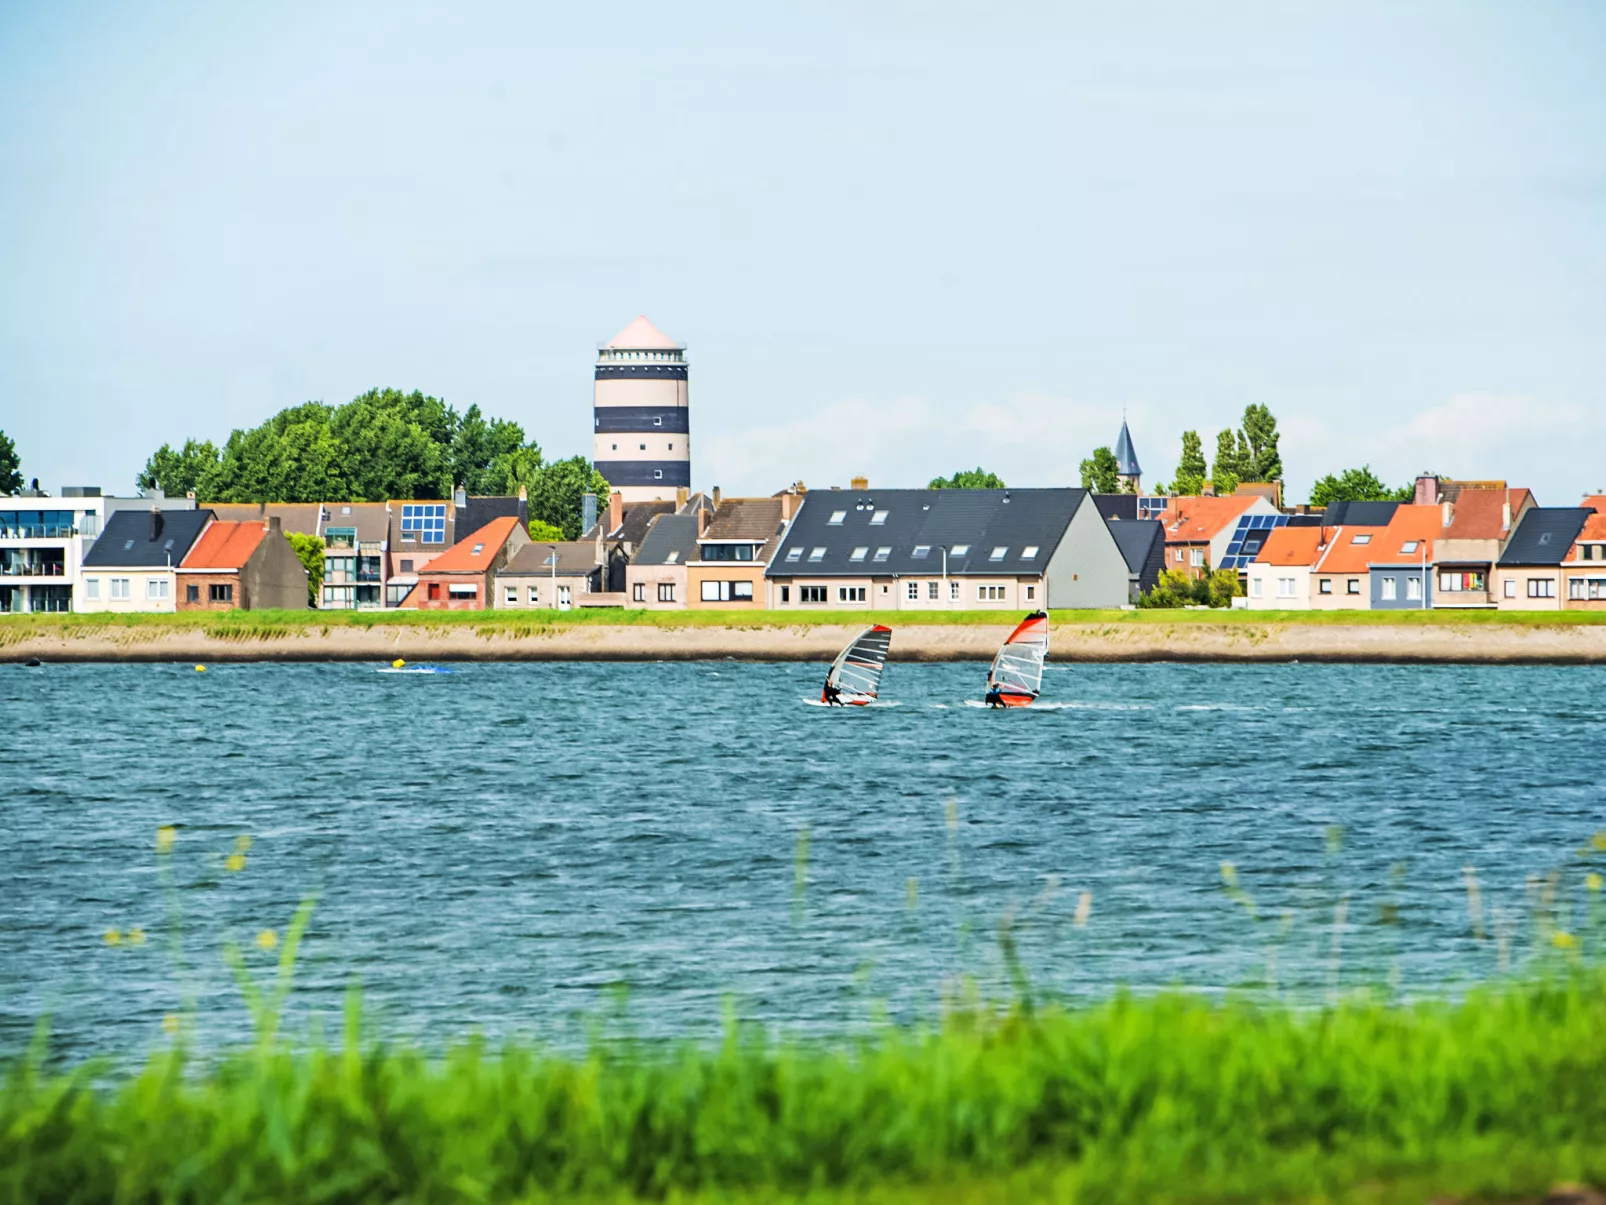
(267, 625)
(1495, 1096)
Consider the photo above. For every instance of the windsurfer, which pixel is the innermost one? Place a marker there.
(994, 697)
(831, 696)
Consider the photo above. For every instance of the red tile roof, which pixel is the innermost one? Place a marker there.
(1481, 514)
(1595, 502)
(461, 557)
(226, 545)
(1594, 530)
(1190, 520)
(1408, 539)
(1346, 555)
(1291, 546)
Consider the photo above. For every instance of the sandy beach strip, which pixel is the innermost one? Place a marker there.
(1240, 642)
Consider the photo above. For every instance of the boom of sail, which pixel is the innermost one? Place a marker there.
(1016, 677)
(856, 673)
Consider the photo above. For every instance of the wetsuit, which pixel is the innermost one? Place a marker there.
(994, 697)
(831, 694)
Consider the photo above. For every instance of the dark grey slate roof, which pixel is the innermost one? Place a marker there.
(1125, 455)
(1117, 506)
(979, 521)
(668, 533)
(1136, 539)
(477, 512)
(1545, 535)
(637, 517)
(1359, 514)
(140, 539)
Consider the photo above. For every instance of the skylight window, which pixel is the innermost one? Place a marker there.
(922, 551)
(877, 519)
(1029, 553)
(674, 555)
(816, 555)
(1363, 538)
(960, 549)
(998, 553)
(883, 553)
(836, 518)
(1544, 537)
(477, 549)
(858, 554)
(793, 555)
(1410, 545)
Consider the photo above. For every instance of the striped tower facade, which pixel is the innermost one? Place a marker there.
(643, 432)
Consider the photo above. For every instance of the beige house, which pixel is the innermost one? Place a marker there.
(1279, 578)
(656, 578)
(1585, 567)
(733, 550)
(548, 576)
(1341, 576)
(1530, 575)
(1475, 525)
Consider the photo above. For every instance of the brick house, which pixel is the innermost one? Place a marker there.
(242, 565)
(461, 578)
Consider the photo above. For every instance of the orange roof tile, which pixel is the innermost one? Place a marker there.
(461, 557)
(1481, 514)
(1594, 529)
(1291, 546)
(226, 545)
(1188, 520)
(1408, 539)
(1349, 549)
(1595, 502)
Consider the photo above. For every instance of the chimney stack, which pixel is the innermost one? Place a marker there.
(859, 483)
(716, 497)
(702, 521)
(274, 525)
(789, 504)
(460, 496)
(681, 494)
(1505, 515)
(156, 523)
(1448, 510)
(616, 510)
(588, 512)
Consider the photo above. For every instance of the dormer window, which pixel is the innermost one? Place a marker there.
(836, 518)
(877, 519)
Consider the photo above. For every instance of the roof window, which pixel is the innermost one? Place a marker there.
(476, 550)
(1364, 538)
(998, 553)
(877, 519)
(922, 551)
(960, 549)
(858, 554)
(836, 518)
(128, 545)
(1029, 553)
(1544, 537)
(1410, 545)
(816, 555)
(883, 553)
(674, 555)
(793, 555)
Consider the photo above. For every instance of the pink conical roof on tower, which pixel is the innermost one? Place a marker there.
(642, 335)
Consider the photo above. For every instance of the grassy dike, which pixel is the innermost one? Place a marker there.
(1172, 1098)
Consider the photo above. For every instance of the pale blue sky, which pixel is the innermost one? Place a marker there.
(898, 238)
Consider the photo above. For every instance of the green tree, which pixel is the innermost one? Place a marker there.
(176, 473)
(309, 549)
(10, 466)
(397, 446)
(969, 479)
(542, 531)
(1221, 587)
(1191, 467)
(1101, 472)
(1228, 468)
(1357, 485)
(557, 488)
(1264, 462)
(479, 447)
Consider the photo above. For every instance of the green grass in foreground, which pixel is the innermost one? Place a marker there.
(1167, 1098)
(268, 625)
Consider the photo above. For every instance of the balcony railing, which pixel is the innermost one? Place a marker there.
(46, 569)
(37, 533)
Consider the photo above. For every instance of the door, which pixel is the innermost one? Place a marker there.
(563, 598)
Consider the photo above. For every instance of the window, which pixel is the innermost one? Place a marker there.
(960, 550)
(913, 591)
(1256, 587)
(671, 447)
(192, 593)
(463, 590)
(836, 518)
(674, 555)
(921, 552)
(643, 447)
(156, 588)
(850, 593)
(811, 594)
(816, 555)
(1325, 586)
(998, 554)
(990, 593)
(1410, 546)
(666, 591)
(793, 555)
(1391, 589)
(533, 594)
(1285, 587)
(1591, 589)
(727, 552)
(92, 588)
(1413, 588)
(1511, 587)
(477, 549)
(1031, 593)
(1029, 553)
(727, 591)
(657, 474)
(638, 592)
(1541, 587)
(1353, 586)
(931, 591)
(882, 553)
(406, 565)
(858, 554)
(953, 591)
(510, 596)
(220, 592)
(1196, 557)
(1364, 537)
(1181, 556)
(424, 521)
(786, 594)
(1461, 581)
(878, 519)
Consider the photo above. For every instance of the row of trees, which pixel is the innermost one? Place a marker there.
(1248, 452)
(380, 446)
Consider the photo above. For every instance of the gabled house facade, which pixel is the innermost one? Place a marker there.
(656, 579)
(954, 549)
(551, 576)
(1529, 575)
(1341, 577)
(1279, 578)
(462, 577)
(734, 549)
(1474, 527)
(1199, 528)
(356, 543)
(1585, 567)
(1400, 565)
(134, 564)
(242, 565)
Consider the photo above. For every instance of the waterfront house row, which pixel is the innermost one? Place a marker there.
(190, 560)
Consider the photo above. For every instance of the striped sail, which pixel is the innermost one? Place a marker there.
(857, 670)
(1018, 668)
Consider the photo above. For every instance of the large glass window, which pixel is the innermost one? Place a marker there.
(35, 524)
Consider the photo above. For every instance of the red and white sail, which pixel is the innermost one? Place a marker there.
(1016, 677)
(856, 672)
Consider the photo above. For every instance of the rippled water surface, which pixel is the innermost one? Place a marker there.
(503, 847)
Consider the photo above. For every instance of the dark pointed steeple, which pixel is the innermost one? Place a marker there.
(1125, 456)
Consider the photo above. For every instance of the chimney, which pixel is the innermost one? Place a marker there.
(190, 494)
(460, 496)
(716, 497)
(616, 510)
(859, 483)
(588, 512)
(156, 523)
(524, 493)
(1427, 490)
(1448, 510)
(703, 516)
(1505, 515)
(789, 505)
(273, 526)
(681, 494)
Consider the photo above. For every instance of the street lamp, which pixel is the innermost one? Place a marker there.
(554, 548)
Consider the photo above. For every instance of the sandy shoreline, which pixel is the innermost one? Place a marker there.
(1480, 643)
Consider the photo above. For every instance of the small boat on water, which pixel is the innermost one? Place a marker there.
(855, 675)
(399, 666)
(1016, 677)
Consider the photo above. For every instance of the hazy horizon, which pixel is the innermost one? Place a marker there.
(897, 239)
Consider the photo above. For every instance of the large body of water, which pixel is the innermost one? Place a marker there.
(502, 847)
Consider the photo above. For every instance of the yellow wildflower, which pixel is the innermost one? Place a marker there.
(267, 939)
(165, 836)
(170, 1023)
(1599, 841)
(234, 863)
(136, 937)
(112, 937)
(242, 843)
(1563, 940)
(1592, 881)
